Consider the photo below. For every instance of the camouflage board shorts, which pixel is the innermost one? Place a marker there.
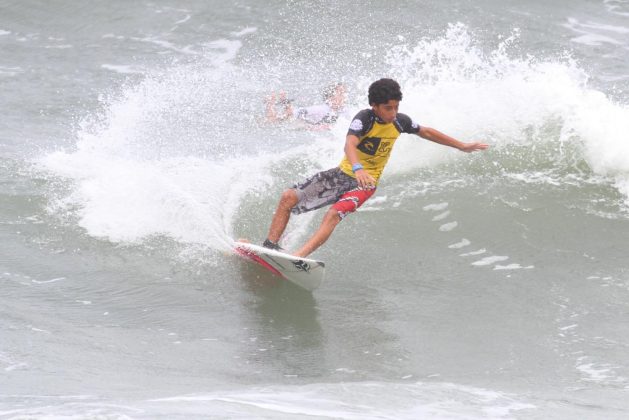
(330, 187)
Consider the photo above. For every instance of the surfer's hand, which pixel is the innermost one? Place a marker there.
(473, 147)
(365, 181)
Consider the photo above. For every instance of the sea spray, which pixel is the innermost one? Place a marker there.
(544, 105)
(175, 155)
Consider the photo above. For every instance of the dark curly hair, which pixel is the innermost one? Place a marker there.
(383, 90)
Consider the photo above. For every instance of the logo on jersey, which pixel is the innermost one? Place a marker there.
(369, 145)
(385, 147)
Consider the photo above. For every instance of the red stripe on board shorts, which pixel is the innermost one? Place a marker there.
(352, 200)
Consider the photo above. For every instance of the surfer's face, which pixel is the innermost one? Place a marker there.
(387, 112)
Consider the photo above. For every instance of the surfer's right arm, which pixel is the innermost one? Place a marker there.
(362, 176)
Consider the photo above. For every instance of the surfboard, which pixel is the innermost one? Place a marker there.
(304, 272)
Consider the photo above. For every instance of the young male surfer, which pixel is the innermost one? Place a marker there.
(370, 139)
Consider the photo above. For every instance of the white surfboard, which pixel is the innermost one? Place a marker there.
(304, 272)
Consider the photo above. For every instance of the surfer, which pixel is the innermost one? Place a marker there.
(279, 108)
(368, 144)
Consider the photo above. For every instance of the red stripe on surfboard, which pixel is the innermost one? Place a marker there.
(256, 258)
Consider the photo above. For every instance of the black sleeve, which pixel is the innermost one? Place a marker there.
(407, 124)
(361, 123)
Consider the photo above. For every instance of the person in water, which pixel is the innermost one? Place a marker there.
(279, 108)
(368, 145)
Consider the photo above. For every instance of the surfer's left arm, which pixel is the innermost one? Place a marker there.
(438, 137)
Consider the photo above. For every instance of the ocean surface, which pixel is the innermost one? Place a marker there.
(134, 150)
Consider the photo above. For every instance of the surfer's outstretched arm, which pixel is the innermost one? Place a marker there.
(441, 138)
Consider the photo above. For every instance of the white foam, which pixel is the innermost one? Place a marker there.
(452, 84)
(358, 401)
(569, 327)
(135, 174)
(597, 372)
(113, 36)
(11, 364)
(623, 30)
(132, 179)
(123, 69)
(477, 252)
(188, 50)
(591, 32)
(375, 200)
(246, 31)
(59, 47)
(56, 279)
(10, 71)
(436, 207)
(4, 32)
(125, 200)
(16, 367)
(183, 20)
(447, 227)
(490, 260)
(513, 266)
(441, 216)
(461, 244)
(229, 49)
(40, 330)
(595, 40)
(616, 7)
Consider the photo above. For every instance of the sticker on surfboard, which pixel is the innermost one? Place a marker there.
(304, 272)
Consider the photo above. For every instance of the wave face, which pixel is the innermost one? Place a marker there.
(164, 159)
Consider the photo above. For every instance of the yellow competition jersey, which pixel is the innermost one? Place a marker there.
(376, 140)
